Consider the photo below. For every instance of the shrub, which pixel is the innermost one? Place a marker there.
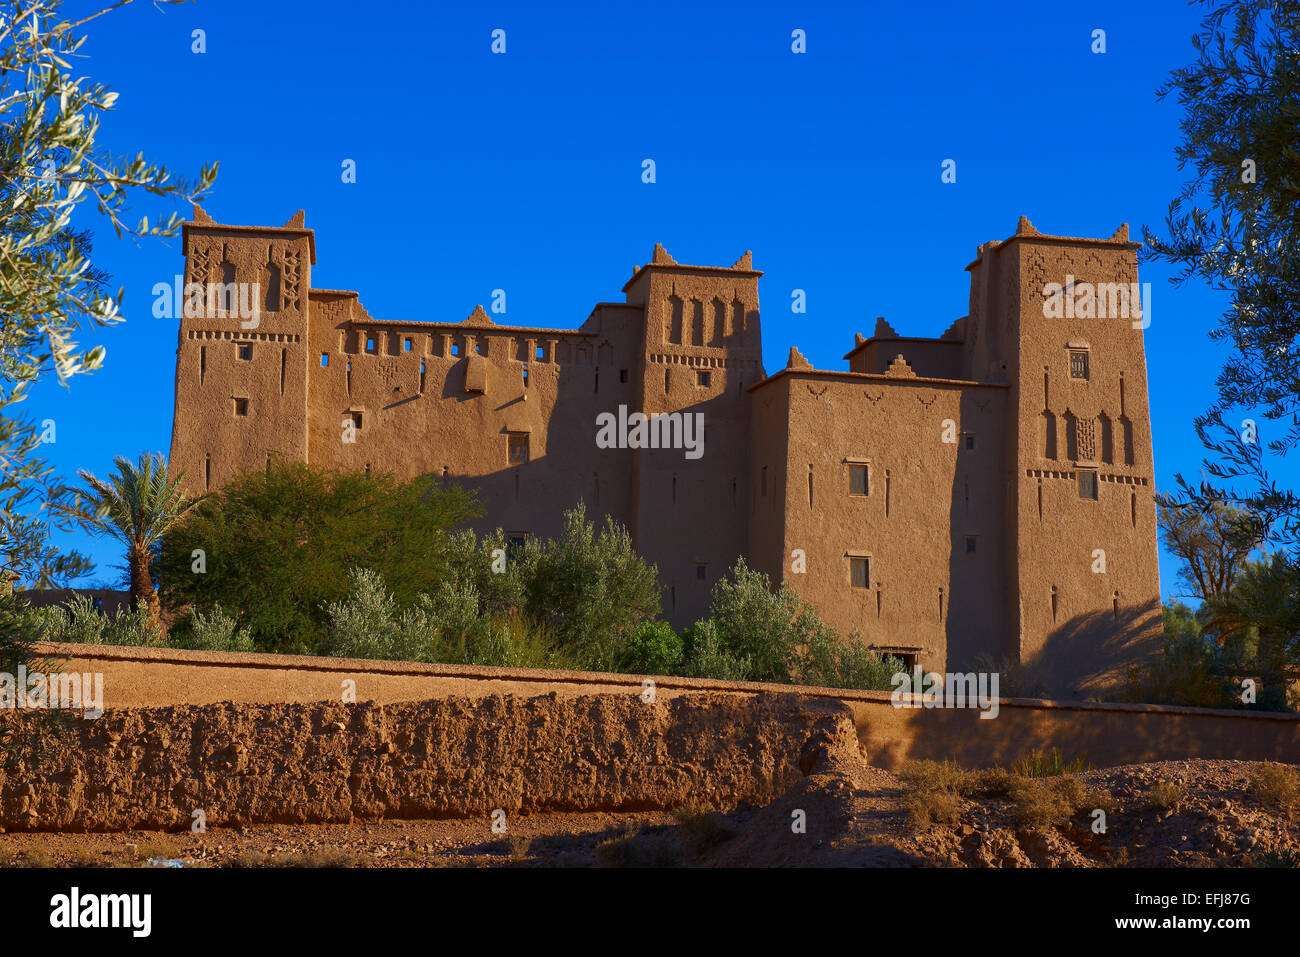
(1037, 764)
(1276, 786)
(932, 807)
(832, 662)
(593, 590)
(215, 631)
(279, 543)
(1050, 801)
(759, 625)
(1187, 672)
(702, 827)
(652, 849)
(1164, 796)
(655, 649)
(934, 776)
(79, 622)
(705, 656)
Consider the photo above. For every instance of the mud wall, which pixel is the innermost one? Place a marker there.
(151, 768)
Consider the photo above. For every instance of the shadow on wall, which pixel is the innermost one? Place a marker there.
(1087, 657)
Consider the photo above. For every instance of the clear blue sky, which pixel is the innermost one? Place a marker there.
(523, 171)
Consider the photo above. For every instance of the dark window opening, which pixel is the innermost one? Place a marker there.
(622, 375)
(246, 350)
(703, 379)
(241, 406)
(1078, 365)
(1088, 484)
(860, 572)
(858, 483)
(518, 448)
(970, 544)
(701, 572)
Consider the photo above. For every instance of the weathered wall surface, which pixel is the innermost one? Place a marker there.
(246, 764)
(1109, 734)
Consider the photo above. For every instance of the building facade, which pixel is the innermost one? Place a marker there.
(984, 498)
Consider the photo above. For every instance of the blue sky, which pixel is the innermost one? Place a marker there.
(523, 171)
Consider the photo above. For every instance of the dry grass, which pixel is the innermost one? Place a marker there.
(657, 849)
(703, 827)
(1051, 764)
(519, 846)
(926, 776)
(1165, 795)
(1276, 786)
(925, 808)
(1052, 801)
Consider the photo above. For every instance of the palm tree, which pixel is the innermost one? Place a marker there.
(138, 506)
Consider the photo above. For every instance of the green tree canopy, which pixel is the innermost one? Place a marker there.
(277, 545)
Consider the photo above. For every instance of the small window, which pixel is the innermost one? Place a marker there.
(970, 544)
(455, 348)
(324, 359)
(858, 480)
(515, 542)
(1078, 364)
(518, 448)
(372, 344)
(407, 344)
(970, 442)
(1088, 483)
(703, 379)
(246, 350)
(763, 482)
(541, 352)
(241, 406)
(525, 373)
(860, 572)
(701, 572)
(355, 417)
(481, 347)
(622, 375)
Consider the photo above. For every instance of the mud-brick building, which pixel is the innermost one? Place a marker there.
(984, 496)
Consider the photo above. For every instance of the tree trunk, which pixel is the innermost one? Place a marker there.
(141, 583)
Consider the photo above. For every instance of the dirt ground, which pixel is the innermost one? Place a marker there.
(842, 813)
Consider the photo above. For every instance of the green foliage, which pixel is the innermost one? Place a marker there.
(1188, 671)
(50, 293)
(1256, 627)
(21, 626)
(137, 506)
(79, 622)
(832, 662)
(756, 633)
(592, 589)
(706, 657)
(1236, 226)
(447, 627)
(278, 545)
(215, 631)
(760, 625)
(655, 649)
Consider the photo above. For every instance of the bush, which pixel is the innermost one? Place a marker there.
(448, 627)
(832, 662)
(1164, 796)
(705, 656)
(759, 625)
(1188, 671)
(593, 590)
(1050, 802)
(278, 544)
(1038, 764)
(655, 649)
(79, 622)
(216, 631)
(1276, 786)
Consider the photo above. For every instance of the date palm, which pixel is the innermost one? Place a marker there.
(137, 506)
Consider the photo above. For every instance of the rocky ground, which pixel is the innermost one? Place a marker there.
(842, 812)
